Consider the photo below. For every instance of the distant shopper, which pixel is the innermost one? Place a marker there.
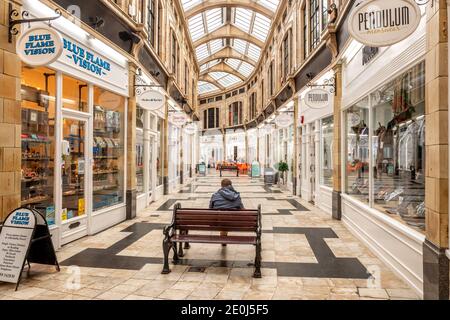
(226, 198)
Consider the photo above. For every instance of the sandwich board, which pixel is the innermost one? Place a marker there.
(24, 237)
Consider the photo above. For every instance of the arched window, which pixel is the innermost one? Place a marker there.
(211, 118)
(235, 113)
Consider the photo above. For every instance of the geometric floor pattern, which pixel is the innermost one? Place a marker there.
(305, 253)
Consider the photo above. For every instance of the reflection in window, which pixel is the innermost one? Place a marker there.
(326, 176)
(399, 147)
(75, 94)
(357, 151)
(108, 149)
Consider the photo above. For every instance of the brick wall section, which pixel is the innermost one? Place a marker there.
(10, 119)
(436, 111)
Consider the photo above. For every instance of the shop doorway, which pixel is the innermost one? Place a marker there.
(75, 177)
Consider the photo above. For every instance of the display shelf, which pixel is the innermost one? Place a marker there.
(106, 172)
(34, 179)
(37, 159)
(34, 200)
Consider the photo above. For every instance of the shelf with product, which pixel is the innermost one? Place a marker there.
(108, 154)
(37, 151)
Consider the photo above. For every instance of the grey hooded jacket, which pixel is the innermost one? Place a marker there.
(226, 198)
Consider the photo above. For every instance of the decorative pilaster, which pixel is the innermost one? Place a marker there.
(295, 153)
(337, 143)
(131, 145)
(435, 263)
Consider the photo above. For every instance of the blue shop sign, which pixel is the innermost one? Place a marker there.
(86, 59)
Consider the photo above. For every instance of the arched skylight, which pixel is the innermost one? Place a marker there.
(252, 17)
(225, 79)
(205, 87)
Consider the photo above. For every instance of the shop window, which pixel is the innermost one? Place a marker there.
(326, 175)
(159, 156)
(140, 113)
(108, 149)
(38, 140)
(399, 147)
(75, 94)
(357, 151)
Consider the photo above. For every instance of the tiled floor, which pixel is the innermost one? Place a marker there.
(306, 255)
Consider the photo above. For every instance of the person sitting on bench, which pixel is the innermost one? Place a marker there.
(226, 198)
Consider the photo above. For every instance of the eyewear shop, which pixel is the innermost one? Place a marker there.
(73, 135)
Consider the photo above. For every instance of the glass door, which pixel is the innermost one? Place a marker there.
(74, 176)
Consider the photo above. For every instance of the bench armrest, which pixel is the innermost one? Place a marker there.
(259, 228)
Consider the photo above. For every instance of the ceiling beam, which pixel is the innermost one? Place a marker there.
(213, 4)
(229, 31)
(208, 78)
(227, 53)
(223, 67)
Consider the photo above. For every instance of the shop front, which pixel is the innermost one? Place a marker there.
(383, 151)
(211, 147)
(235, 145)
(74, 132)
(316, 126)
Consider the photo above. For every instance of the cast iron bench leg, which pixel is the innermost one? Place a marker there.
(176, 259)
(257, 273)
(166, 250)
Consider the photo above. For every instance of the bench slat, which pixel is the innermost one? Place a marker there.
(215, 239)
(224, 217)
(216, 228)
(218, 212)
(217, 223)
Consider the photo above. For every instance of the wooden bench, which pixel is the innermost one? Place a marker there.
(229, 168)
(185, 220)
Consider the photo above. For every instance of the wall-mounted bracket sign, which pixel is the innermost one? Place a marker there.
(190, 129)
(39, 46)
(317, 98)
(381, 23)
(151, 100)
(178, 119)
(13, 21)
(24, 237)
(284, 120)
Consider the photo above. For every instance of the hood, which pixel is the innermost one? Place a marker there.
(229, 193)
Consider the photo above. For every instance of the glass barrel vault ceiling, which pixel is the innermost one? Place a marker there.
(205, 17)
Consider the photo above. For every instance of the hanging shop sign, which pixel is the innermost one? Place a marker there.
(284, 120)
(381, 23)
(24, 237)
(317, 98)
(151, 100)
(39, 46)
(190, 128)
(178, 119)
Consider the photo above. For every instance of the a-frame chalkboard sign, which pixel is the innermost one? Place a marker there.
(24, 238)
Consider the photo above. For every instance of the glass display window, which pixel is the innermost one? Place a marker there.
(38, 89)
(398, 130)
(75, 93)
(159, 152)
(357, 151)
(140, 114)
(398, 148)
(326, 170)
(108, 149)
